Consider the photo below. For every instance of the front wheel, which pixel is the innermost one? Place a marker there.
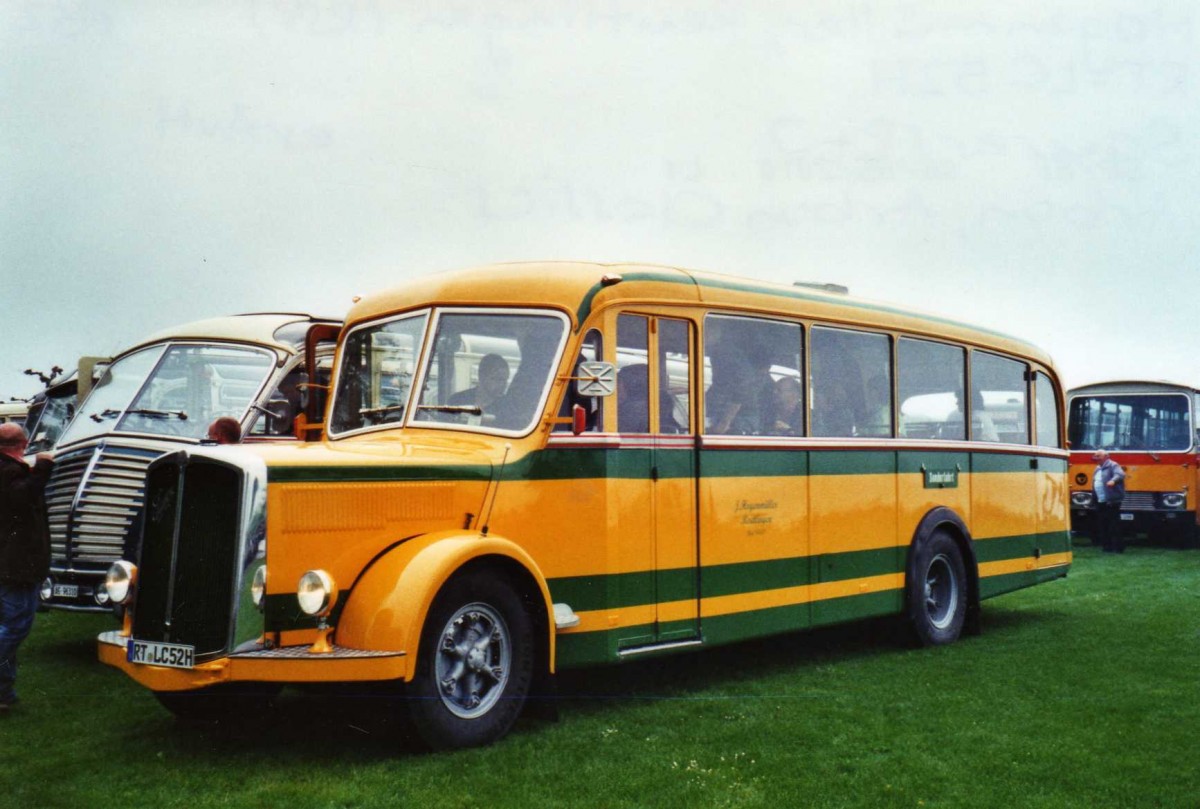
(475, 664)
(937, 591)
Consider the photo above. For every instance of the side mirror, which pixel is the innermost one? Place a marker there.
(596, 379)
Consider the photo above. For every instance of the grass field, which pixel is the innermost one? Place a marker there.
(1082, 693)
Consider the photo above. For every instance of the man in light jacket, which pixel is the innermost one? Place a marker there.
(1108, 483)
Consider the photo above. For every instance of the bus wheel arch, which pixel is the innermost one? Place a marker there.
(481, 647)
(942, 580)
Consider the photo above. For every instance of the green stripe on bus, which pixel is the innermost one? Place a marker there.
(997, 585)
(620, 590)
(635, 464)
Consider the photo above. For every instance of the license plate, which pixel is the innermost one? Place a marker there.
(66, 591)
(174, 655)
(1128, 517)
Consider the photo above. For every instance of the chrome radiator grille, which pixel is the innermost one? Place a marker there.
(94, 501)
(1138, 501)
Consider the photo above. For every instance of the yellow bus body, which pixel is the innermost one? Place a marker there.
(652, 542)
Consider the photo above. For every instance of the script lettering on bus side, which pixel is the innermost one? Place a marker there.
(754, 515)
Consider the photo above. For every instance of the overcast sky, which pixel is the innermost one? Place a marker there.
(1030, 167)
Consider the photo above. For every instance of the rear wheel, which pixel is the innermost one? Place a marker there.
(937, 591)
(474, 666)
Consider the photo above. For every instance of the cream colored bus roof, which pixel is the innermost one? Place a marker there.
(257, 329)
(580, 288)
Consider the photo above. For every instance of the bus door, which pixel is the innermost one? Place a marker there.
(657, 538)
(1052, 494)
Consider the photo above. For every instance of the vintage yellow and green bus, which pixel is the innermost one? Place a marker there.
(1150, 428)
(531, 467)
(158, 395)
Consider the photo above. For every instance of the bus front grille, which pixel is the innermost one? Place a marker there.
(93, 503)
(1138, 501)
(188, 566)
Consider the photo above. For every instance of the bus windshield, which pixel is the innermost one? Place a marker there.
(174, 390)
(483, 370)
(47, 421)
(1123, 422)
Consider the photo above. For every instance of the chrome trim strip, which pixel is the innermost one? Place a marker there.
(659, 647)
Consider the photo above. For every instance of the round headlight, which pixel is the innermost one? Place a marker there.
(1081, 498)
(100, 596)
(316, 593)
(119, 581)
(258, 587)
(1174, 500)
(47, 589)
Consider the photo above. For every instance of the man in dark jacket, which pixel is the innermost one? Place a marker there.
(24, 549)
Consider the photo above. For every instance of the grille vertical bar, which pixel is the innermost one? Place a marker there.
(189, 557)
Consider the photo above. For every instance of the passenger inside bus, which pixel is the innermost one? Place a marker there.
(492, 382)
(787, 411)
(740, 397)
(633, 399)
(878, 420)
(982, 426)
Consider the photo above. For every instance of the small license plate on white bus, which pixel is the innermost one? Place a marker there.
(66, 591)
(174, 655)
(1127, 517)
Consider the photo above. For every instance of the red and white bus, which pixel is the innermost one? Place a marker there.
(1149, 428)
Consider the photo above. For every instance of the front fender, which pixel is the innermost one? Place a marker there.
(390, 600)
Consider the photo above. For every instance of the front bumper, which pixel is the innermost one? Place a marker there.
(1133, 521)
(289, 664)
(76, 591)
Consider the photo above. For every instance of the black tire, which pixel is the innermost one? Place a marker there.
(474, 664)
(937, 591)
(227, 701)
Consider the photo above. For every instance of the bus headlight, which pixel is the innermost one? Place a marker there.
(119, 581)
(258, 587)
(47, 589)
(316, 593)
(100, 596)
(1083, 499)
(1173, 499)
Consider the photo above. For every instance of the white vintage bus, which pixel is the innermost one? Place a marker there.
(161, 395)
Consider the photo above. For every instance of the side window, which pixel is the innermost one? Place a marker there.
(851, 393)
(590, 350)
(998, 409)
(633, 374)
(282, 405)
(1046, 409)
(674, 372)
(931, 381)
(753, 376)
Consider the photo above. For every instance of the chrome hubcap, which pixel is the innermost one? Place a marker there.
(473, 660)
(941, 592)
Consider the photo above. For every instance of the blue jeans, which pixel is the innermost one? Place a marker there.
(18, 604)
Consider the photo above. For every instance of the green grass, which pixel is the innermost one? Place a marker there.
(1081, 693)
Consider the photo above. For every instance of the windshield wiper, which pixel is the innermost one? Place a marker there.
(158, 414)
(105, 414)
(375, 411)
(474, 410)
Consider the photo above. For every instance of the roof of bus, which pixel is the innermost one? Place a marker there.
(13, 408)
(580, 288)
(260, 328)
(1132, 386)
